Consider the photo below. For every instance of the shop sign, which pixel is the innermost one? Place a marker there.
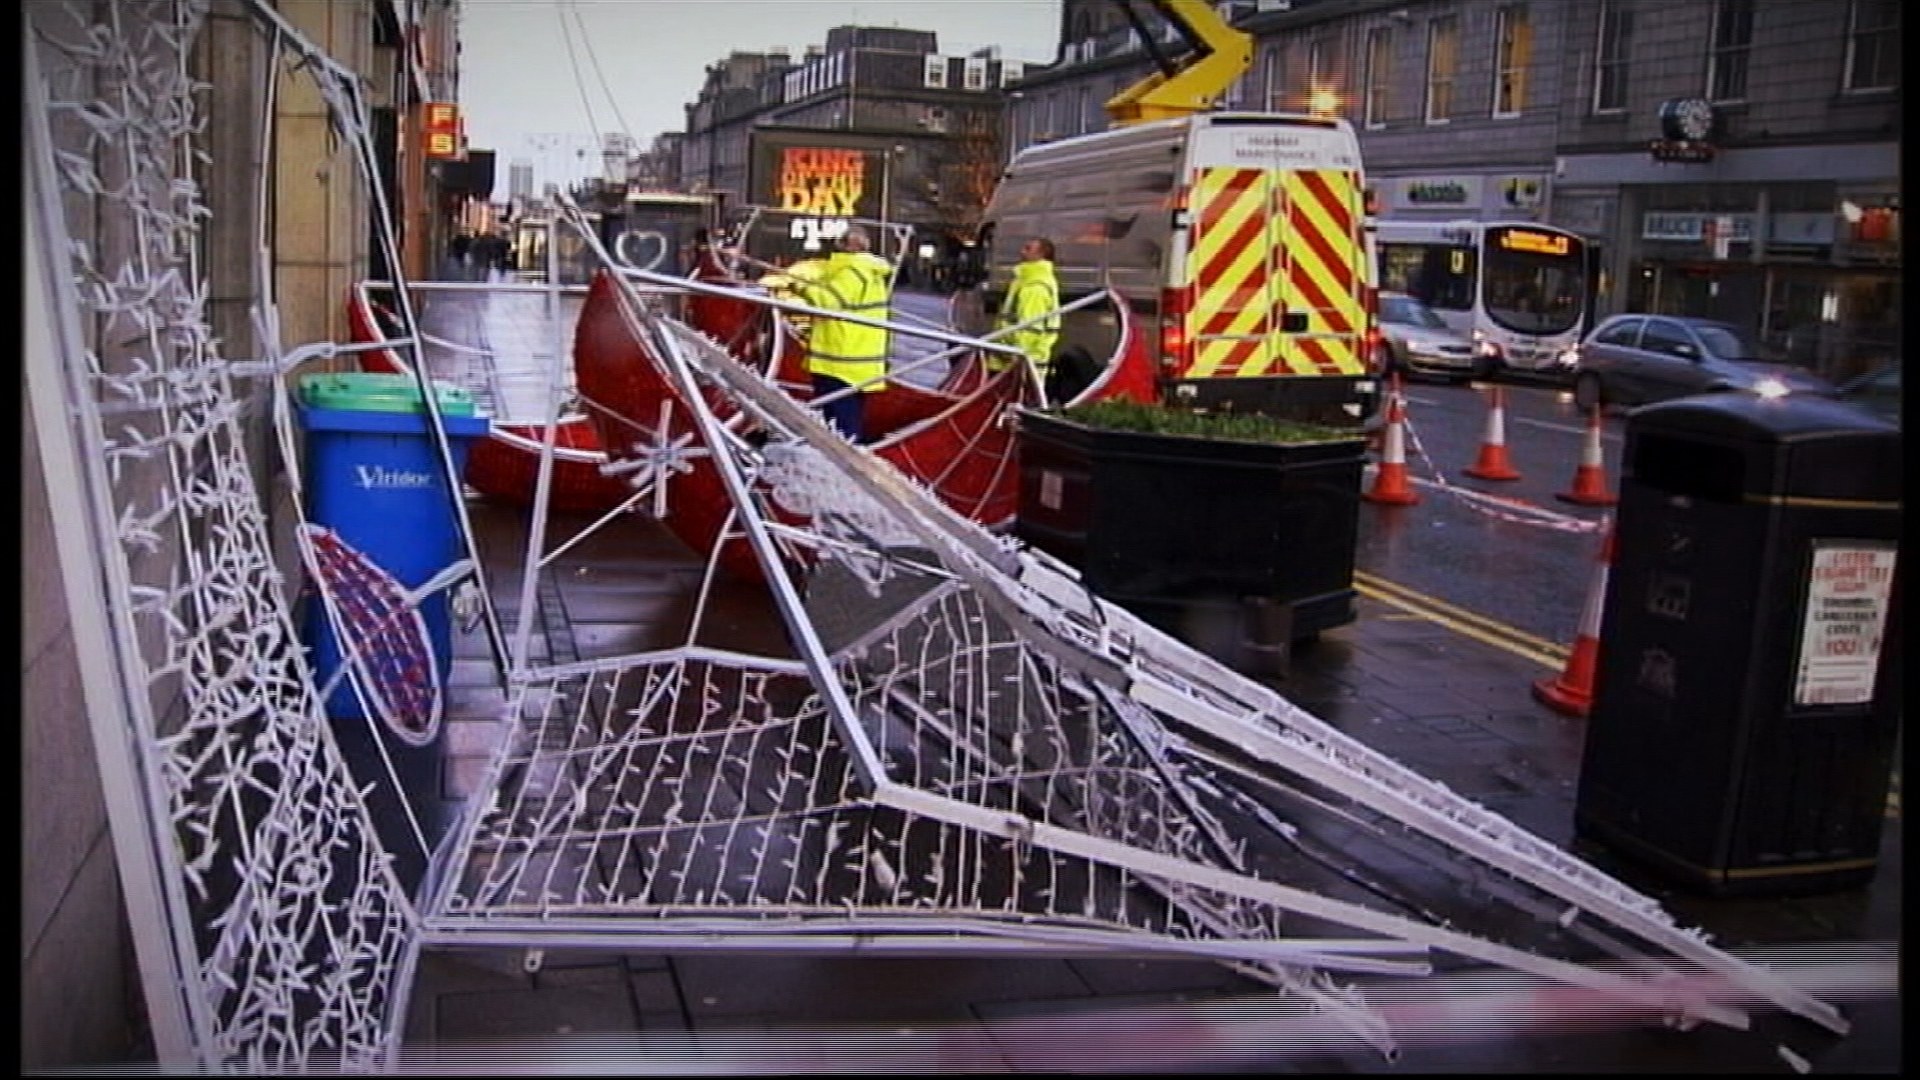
(1693, 228)
(1521, 192)
(1849, 590)
(1436, 192)
(440, 129)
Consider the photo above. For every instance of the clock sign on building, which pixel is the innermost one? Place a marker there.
(1685, 124)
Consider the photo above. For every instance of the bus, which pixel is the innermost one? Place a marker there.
(1521, 290)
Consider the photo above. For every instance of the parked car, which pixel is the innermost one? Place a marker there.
(1876, 391)
(1635, 359)
(1419, 343)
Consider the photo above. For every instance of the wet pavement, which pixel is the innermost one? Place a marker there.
(1453, 707)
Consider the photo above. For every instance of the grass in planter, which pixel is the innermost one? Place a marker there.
(1163, 420)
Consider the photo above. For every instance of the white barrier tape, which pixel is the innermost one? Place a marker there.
(1519, 511)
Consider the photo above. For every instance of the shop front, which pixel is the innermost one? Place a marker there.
(1813, 271)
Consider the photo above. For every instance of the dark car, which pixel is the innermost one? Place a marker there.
(1876, 391)
(1636, 359)
(1419, 343)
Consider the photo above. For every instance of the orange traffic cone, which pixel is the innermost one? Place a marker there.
(1390, 480)
(1492, 464)
(1571, 692)
(1590, 478)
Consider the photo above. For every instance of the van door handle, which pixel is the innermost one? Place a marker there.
(1293, 322)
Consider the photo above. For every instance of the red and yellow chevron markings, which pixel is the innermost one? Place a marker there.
(1324, 273)
(1268, 243)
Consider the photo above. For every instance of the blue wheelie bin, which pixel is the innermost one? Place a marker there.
(374, 478)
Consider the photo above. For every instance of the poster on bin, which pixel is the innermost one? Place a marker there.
(1849, 590)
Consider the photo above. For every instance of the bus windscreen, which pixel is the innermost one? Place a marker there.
(1535, 281)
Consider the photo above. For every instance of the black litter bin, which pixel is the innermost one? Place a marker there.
(1746, 694)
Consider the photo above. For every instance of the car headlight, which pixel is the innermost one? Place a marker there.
(1770, 387)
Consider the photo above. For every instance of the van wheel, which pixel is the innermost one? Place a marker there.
(1586, 392)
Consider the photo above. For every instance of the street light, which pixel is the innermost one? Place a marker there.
(886, 184)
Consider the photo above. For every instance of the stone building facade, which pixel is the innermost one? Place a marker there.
(1557, 111)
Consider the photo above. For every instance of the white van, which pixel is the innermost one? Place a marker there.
(1241, 239)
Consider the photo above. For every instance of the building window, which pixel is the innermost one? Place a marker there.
(936, 72)
(1443, 37)
(1235, 96)
(1322, 98)
(1513, 51)
(1011, 71)
(974, 75)
(1274, 81)
(1732, 43)
(1379, 76)
(1873, 45)
(1610, 57)
(1083, 121)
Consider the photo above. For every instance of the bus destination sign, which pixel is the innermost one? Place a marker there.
(1536, 243)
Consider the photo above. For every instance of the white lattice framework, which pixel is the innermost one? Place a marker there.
(967, 751)
(960, 750)
(272, 933)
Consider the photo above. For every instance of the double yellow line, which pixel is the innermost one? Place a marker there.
(1460, 620)
(1498, 634)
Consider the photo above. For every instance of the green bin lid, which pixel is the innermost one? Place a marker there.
(374, 391)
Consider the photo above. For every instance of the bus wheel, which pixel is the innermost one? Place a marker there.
(1586, 392)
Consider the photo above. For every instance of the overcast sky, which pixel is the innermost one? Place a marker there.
(541, 79)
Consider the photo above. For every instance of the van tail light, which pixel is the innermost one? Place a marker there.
(1374, 342)
(1176, 348)
(1376, 350)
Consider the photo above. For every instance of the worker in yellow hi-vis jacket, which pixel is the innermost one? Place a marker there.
(842, 354)
(1033, 297)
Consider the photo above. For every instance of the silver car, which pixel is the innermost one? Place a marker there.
(1636, 359)
(1419, 343)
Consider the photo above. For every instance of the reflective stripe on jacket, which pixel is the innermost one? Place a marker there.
(1033, 293)
(859, 283)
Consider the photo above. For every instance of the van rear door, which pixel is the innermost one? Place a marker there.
(1275, 263)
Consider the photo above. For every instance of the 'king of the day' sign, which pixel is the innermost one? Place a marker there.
(821, 181)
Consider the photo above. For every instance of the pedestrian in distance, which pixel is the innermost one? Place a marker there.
(848, 360)
(503, 252)
(1033, 298)
(459, 248)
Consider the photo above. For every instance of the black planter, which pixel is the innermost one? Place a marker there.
(1239, 548)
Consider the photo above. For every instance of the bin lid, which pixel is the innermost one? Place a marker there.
(1736, 446)
(379, 391)
(1750, 417)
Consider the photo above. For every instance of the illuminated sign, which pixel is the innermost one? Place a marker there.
(820, 181)
(440, 128)
(813, 232)
(1536, 243)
